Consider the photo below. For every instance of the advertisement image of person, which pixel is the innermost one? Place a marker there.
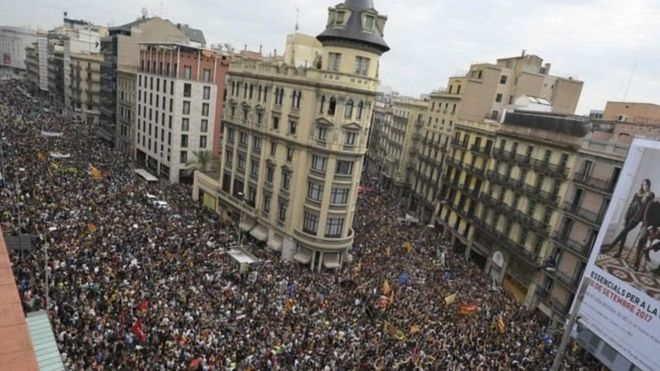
(634, 216)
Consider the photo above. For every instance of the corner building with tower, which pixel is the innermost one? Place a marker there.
(295, 137)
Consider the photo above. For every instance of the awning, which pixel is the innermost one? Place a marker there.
(331, 260)
(242, 257)
(146, 175)
(303, 255)
(247, 224)
(260, 233)
(275, 242)
(43, 341)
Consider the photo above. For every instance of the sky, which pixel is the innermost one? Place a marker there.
(611, 45)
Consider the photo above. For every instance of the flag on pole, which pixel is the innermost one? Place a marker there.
(386, 287)
(394, 331)
(500, 324)
(449, 300)
(138, 331)
(408, 246)
(468, 309)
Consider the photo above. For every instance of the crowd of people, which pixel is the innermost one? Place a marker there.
(134, 286)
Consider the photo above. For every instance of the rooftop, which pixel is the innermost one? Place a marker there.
(352, 30)
(577, 126)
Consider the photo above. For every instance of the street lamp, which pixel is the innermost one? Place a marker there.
(50, 230)
(240, 221)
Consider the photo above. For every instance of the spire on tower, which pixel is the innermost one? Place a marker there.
(297, 19)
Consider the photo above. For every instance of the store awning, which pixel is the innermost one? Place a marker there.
(275, 242)
(43, 341)
(303, 255)
(260, 233)
(331, 260)
(247, 224)
(242, 257)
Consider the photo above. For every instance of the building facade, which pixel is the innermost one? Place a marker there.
(83, 93)
(13, 41)
(179, 91)
(295, 139)
(120, 51)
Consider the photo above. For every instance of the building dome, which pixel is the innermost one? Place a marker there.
(356, 21)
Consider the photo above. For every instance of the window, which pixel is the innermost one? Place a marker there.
(348, 110)
(334, 62)
(344, 167)
(333, 227)
(207, 92)
(286, 180)
(230, 134)
(207, 75)
(273, 148)
(205, 109)
(187, 72)
(292, 127)
(202, 141)
(256, 144)
(184, 140)
(332, 106)
(241, 161)
(251, 196)
(289, 154)
(229, 157)
(187, 90)
(204, 127)
(276, 122)
(243, 138)
(339, 17)
(315, 191)
(369, 23)
(183, 158)
(498, 97)
(270, 172)
(186, 108)
(339, 196)
(260, 118)
(361, 66)
(350, 138)
(254, 168)
(266, 203)
(281, 210)
(319, 163)
(360, 110)
(310, 222)
(503, 79)
(185, 124)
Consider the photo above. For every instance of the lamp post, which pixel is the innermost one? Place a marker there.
(240, 221)
(50, 230)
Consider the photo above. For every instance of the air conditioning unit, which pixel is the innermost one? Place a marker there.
(622, 118)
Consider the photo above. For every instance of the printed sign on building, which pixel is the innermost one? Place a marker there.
(622, 303)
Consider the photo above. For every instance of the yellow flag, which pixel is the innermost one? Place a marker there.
(414, 329)
(41, 156)
(449, 300)
(500, 324)
(394, 331)
(386, 287)
(408, 246)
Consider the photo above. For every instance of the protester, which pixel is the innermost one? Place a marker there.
(139, 287)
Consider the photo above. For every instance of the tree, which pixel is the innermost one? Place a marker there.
(204, 161)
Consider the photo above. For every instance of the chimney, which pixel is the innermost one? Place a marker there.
(245, 47)
(547, 68)
(275, 53)
(261, 49)
(524, 51)
(178, 25)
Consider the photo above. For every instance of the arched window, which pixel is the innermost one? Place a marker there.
(251, 90)
(332, 106)
(348, 111)
(322, 105)
(298, 99)
(360, 110)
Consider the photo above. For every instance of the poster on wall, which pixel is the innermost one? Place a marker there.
(622, 302)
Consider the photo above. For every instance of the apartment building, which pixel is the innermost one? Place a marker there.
(295, 139)
(179, 91)
(119, 71)
(13, 41)
(36, 64)
(393, 132)
(83, 93)
(634, 112)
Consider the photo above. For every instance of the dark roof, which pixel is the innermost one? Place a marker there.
(352, 30)
(130, 25)
(577, 126)
(192, 33)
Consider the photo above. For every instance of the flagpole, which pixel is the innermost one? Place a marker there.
(573, 317)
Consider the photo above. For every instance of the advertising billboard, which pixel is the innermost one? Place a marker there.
(622, 302)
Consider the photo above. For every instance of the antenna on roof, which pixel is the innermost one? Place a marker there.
(297, 18)
(162, 10)
(632, 74)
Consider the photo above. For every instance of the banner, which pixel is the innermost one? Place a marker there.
(394, 331)
(386, 287)
(449, 300)
(622, 302)
(468, 309)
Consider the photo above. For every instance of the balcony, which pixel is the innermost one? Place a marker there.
(538, 227)
(456, 143)
(569, 282)
(498, 238)
(566, 243)
(605, 186)
(588, 216)
(558, 307)
(536, 193)
(474, 171)
(546, 167)
(480, 150)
